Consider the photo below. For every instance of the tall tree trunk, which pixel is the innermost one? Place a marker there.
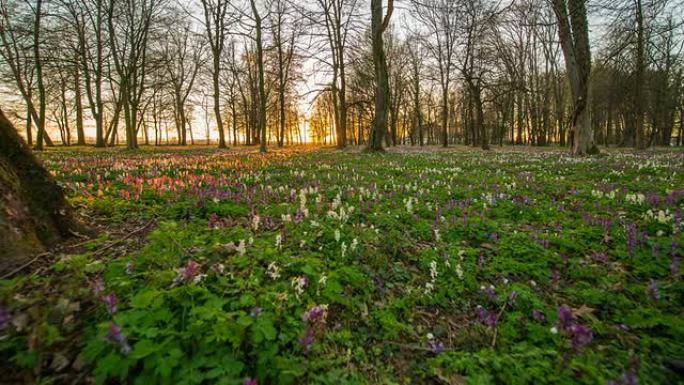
(574, 36)
(382, 92)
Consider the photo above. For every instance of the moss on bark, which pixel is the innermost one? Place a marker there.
(34, 213)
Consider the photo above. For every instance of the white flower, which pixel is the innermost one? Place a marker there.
(337, 235)
(554, 330)
(459, 271)
(279, 241)
(323, 280)
(354, 244)
(433, 270)
(255, 222)
(241, 249)
(273, 271)
(344, 249)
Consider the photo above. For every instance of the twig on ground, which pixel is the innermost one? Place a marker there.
(101, 250)
(27, 264)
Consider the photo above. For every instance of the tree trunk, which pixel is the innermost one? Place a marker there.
(382, 92)
(574, 36)
(33, 211)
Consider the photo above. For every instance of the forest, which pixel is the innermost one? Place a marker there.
(341, 192)
(277, 72)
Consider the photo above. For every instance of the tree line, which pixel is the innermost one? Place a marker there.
(473, 72)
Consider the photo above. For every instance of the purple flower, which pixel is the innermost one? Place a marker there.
(5, 317)
(538, 315)
(110, 302)
(494, 237)
(580, 336)
(187, 273)
(256, 311)
(512, 297)
(306, 341)
(114, 336)
(631, 238)
(565, 317)
(97, 286)
(314, 314)
(435, 346)
(652, 290)
(674, 264)
(488, 318)
(249, 381)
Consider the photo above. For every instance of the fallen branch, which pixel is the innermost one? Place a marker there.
(100, 251)
(27, 264)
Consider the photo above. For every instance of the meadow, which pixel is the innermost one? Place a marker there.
(327, 267)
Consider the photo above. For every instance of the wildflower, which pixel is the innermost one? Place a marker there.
(114, 336)
(241, 249)
(306, 341)
(5, 317)
(579, 334)
(652, 290)
(459, 271)
(433, 270)
(273, 271)
(299, 284)
(188, 273)
(631, 238)
(249, 381)
(538, 315)
(337, 235)
(486, 317)
(674, 264)
(344, 249)
(110, 301)
(323, 280)
(279, 242)
(354, 244)
(256, 311)
(512, 297)
(435, 346)
(97, 286)
(218, 268)
(315, 314)
(130, 267)
(255, 222)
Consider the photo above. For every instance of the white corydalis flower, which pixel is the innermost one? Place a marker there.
(255, 222)
(241, 248)
(273, 271)
(279, 242)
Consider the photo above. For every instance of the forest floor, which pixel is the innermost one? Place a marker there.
(420, 265)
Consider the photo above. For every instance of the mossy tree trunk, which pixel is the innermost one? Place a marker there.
(34, 213)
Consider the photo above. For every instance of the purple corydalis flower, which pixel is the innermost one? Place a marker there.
(435, 346)
(512, 297)
(306, 341)
(486, 317)
(538, 315)
(249, 381)
(579, 334)
(631, 238)
(674, 264)
(494, 237)
(110, 302)
(189, 272)
(314, 314)
(97, 286)
(5, 317)
(652, 290)
(115, 336)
